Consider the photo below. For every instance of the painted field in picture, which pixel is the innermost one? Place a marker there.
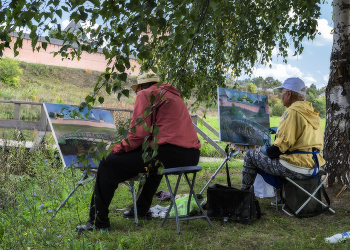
(74, 133)
(243, 117)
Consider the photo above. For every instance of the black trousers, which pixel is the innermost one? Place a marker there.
(119, 168)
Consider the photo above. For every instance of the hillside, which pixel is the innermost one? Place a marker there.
(44, 83)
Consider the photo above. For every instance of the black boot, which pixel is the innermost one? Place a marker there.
(90, 227)
(130, 214)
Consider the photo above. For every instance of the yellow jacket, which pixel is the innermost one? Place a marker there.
(300, 129)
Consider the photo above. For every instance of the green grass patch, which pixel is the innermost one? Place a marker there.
(33, 185)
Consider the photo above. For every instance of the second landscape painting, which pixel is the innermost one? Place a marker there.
(243, 117)
(74, 133)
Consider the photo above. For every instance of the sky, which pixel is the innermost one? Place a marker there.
(312, 66)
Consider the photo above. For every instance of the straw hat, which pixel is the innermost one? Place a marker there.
(145, 78)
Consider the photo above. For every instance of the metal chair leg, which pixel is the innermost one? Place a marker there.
(195, 197)
(173, 203)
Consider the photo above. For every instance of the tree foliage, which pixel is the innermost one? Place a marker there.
(10, 71)
(191, 43)
(252, 88)
(55, 33)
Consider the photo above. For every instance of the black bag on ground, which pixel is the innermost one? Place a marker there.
(232, 203)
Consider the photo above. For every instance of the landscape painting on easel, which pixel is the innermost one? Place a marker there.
(243, 117)
(74, 133)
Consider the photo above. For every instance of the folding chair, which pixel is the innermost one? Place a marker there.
(141, 178)
(90, 176)
(310, 196)
(179, 172)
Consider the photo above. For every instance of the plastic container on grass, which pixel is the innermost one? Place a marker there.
(181, 205)
(338, 237)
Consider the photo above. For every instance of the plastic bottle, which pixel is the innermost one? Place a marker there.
(338, 237)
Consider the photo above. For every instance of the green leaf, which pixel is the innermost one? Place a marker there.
(125, 92)
(145, 145)
(144, 156)
(108, 89)
(123, 77)
(145, 127)
(152, 99)
(154, 147)
(155, 140)
(156, 130)
(101, 99)
(95, 161)
(133, 130)
(154, 69)
(125, 133)
(59, 13)
(161, 170)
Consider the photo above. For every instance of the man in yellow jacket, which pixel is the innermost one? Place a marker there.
(299, 129)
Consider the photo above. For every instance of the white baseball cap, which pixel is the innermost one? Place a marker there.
(294, 84)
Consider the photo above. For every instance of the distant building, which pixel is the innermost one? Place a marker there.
(93, 61)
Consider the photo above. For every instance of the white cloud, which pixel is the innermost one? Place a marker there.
(282, 72)
(25, 30)
(325, 78)
(290, 54)
(309, 80)
(278, 71)
(87, 24)
(64, 24)
(326, 38)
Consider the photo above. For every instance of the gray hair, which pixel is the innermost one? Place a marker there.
(297, 96)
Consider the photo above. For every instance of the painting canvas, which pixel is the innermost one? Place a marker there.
(74, 133)
(243, 117)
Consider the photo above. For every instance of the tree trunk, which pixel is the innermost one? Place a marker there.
(337, 133)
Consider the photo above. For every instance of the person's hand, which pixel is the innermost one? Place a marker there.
(273, 130)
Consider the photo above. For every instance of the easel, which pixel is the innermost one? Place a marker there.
(87, 176)
(227, 158)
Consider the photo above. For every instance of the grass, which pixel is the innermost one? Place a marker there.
(33, 185)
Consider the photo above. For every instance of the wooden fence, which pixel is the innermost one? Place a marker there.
(42, 126)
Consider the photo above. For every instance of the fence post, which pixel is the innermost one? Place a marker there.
(43, 119)
(194, 119)
(17, 111)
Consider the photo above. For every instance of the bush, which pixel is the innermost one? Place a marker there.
(10, 71)
(320, 105)
(278, 109)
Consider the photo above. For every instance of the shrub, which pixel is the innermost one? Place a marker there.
(278, 109)
(10, 71)
(320, 105)
(6, 94)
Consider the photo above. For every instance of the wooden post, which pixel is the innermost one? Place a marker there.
(43, 119)
(17, 112)
(194, 119)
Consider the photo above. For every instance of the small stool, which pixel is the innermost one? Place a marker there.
(180, 171)
(130, 183)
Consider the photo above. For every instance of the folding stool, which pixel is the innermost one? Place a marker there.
(311, 195)
(130, 183)
(179, 172)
